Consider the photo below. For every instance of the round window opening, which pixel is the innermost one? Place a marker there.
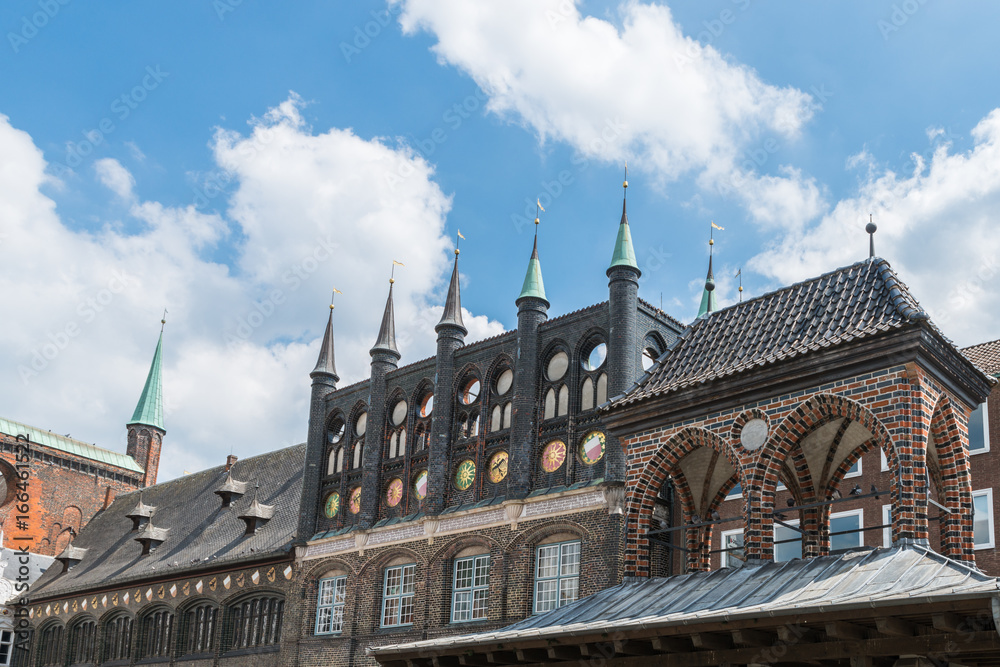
(504, 381)
(427, 405)
(557, 367)
(753, 434)
(399, 413)
(335, 433)
(595, 358)
(470, 392)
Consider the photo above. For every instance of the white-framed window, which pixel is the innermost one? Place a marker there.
(330, 605)
(6, 646)
(471, 589)
(732, 539)
(887, 522)
(783, 548)
(855, 470)
(735, 492)
(849, 520)
(557, 575)
(982, 519)
(398, 594)
(979, 430)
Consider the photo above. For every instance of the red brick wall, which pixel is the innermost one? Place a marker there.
(63, 492)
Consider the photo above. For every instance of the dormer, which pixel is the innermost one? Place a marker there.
(141, 515)
(256, 515)
(230, 490)
(150, 538)
(70, 557)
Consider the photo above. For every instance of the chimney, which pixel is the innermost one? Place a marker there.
(230, 460)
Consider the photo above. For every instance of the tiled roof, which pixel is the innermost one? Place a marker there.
(69, 445)
(854, 580)
(857, 301)
(199, 533)
(986, 357)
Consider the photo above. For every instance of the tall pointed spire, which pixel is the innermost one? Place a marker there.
(708, 296)
(452, 315)
(624, 254)
(387, 332)
(149, 410)
(326, 364)
(533, 285)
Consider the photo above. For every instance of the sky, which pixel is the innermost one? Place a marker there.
(233, 161)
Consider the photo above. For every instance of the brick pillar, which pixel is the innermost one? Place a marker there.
(450, 338)
(623, 350)
(323, 385)
(144, 444)
(383, 361)
(532, 311)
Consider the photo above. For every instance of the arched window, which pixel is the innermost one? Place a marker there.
(340, 460)
(118, 638)
(157, 631)
(83, 642)
(199, 628)
(587, 395)
(563, 407)
(602, 389)
(506, 415)
(397, 443)
(550, 404)
(50, 646)
(420, 438)
(495, 423)
(463, 427)
(256, 622)
(474, 427)
(359, 448)
(331, 461)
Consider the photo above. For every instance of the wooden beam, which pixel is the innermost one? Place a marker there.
(563, 653)
(475, 660)
(797, 634)
(895, 627)
(501, 657)
(532, 654)
(845, 630)
(751, 637)
(711, 641)
(947, 622)
(633, 647)
(671, 644)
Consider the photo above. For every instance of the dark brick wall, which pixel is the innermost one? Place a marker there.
(64, 491)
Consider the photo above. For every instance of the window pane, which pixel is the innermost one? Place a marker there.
(480, 603)
(841, 523)
(570, 560)
(977, 433)
(548, 561)
(326, 591)
(463, 573)
(341, 590)
(482, 571)
(409, 580)
(789, 550)
(981, 519)
(569, 589)
(729, 541)
(323, 619)
(391, 612)
(462, 606)
(338, 619)
(545, 596)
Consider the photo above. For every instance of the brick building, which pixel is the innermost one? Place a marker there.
(69, 481)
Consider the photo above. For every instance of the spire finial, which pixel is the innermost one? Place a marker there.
(163, 320)
(333, 296)
(538, 209)
(392, 273)
(459, 237)
(739, 274)
(871, 228)
(625, 182)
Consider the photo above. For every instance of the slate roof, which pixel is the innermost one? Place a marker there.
(986, 357)
(857, 301)
(200, 534)
(69, 445)
(854, 580)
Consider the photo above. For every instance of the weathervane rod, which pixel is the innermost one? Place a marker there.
(163, 320)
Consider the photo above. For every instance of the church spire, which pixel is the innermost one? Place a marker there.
(624, 254)
(708, 296)
(149, 410)
(452, 315)
(326, 364)
(387, 332)
(533, 285)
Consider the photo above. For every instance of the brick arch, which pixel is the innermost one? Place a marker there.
(262, 592)
(537, 533)
(423, 387)
(448, 551)
(953, 479)
(784, 441)
(592, 336)
(642, 497)
(469, 370)
(379, 562)
(312, 574)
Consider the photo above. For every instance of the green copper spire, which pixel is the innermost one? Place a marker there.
(533, 285)
(624, 253)
(149, 411)
(708, 297)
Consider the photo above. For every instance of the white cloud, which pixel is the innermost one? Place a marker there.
(115, 177)
(312, 211)
(937, 226)
(643, 91)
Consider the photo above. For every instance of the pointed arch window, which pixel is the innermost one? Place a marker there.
(506, 415)
(397, 443)
(587, 395)
(50, 646)
(602, 389)
(157, 634)
(495, 419)
(359, 449)
(118, 638)
(83, 643)
(420, 438)
(256, 622)
(199, 627)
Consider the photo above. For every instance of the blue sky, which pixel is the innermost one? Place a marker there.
(242, 158)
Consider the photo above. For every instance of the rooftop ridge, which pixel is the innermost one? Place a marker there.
(39, 436)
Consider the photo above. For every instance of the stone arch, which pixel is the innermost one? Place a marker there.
(379, 562)
(948, 463)
(537, 533)
(312, 574)
(448, 551)
(666, 463)
(835, 414)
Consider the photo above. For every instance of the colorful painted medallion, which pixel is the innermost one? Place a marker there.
(592, 448)
(332, 507)
(394, 493)
(498, 466)
(465, 474)
(553, 455)
(355, 502)
(420, 485)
